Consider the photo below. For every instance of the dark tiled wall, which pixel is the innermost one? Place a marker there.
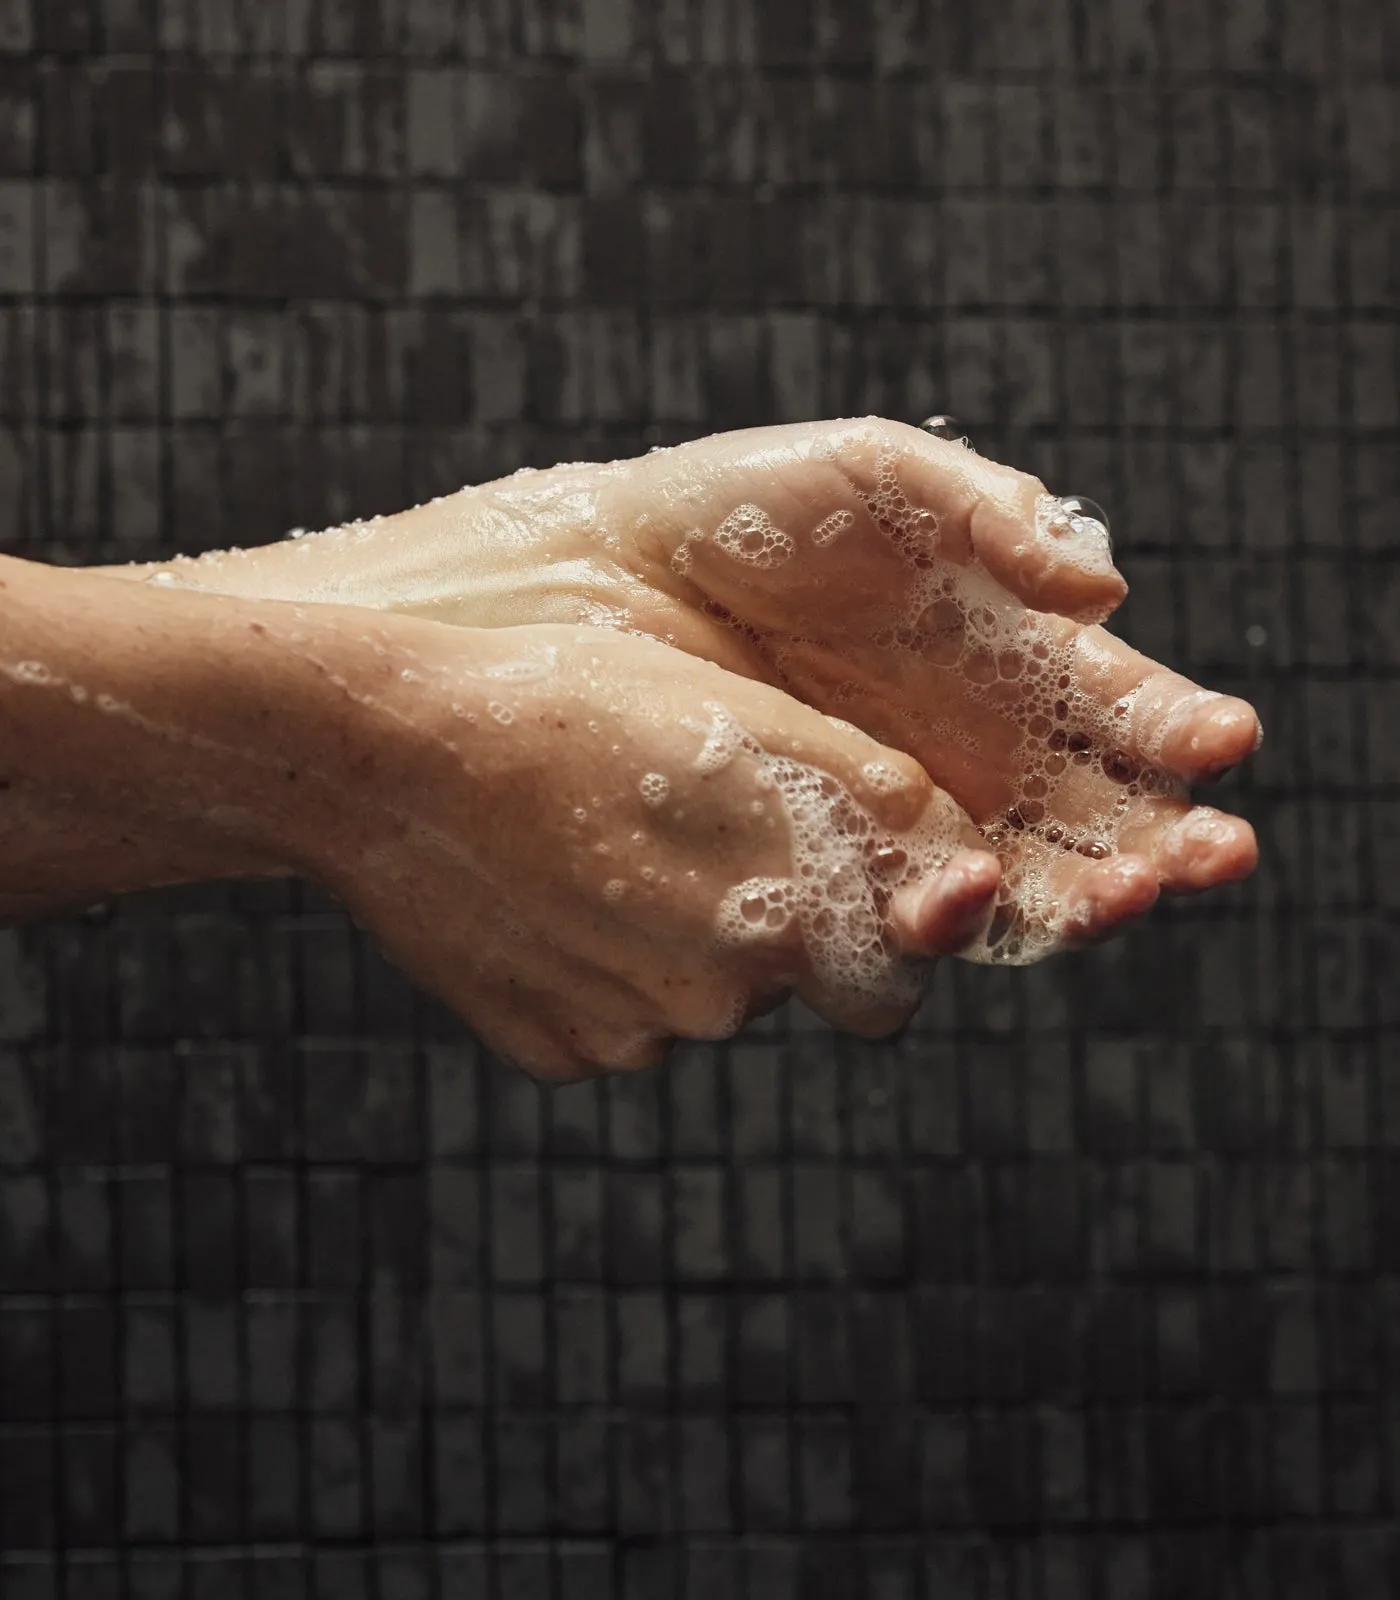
(1088, 1287)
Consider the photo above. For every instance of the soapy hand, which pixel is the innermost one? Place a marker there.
(589, 844)
(935, 599)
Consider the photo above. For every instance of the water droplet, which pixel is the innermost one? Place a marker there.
(943, 427)
(1082, 509)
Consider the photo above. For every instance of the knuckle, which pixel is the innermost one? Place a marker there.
(901, 798)
(715, 1012)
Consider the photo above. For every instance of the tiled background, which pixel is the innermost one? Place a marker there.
(1090, 1287)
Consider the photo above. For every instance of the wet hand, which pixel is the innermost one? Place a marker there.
(590, 845)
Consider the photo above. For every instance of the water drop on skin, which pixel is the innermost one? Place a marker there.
(1081, 509)
(948, 429)
(943, 426)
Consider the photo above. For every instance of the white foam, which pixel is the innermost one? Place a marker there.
(1031, 673)
(830, 529)
(882, 777)
(1079, 541)
(747, 535)
(846, 869)
(750, 535)
(654, 787)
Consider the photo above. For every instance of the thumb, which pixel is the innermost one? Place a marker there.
(1052, 554)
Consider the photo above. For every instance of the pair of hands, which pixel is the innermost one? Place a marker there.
(894, 641)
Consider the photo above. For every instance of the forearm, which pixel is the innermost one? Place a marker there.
(393, 563)
(497, 555)
(141, 743)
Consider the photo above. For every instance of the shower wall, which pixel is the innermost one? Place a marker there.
(1087, 1287)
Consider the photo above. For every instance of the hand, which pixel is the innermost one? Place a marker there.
(894, 579)
(914, 588)
(589, 844)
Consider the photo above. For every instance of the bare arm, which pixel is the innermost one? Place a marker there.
(145, 739)
(566, 834)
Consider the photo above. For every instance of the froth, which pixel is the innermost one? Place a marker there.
(846, 870)
(1079, 541)
(830, 529)
(1024, 668)
(747, 535)
(654, 787)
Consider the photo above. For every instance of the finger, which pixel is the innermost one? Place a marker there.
(1107, 895)
(864, 1018)
(890, 785)
(944, 915)
(1203, 849)
(938, 917)
(1203, 735)
(1048, 559)
(1004, 518)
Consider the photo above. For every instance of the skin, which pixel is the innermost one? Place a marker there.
(157, 738)
(598, 545)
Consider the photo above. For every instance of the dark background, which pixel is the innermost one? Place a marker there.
(1090, 1287)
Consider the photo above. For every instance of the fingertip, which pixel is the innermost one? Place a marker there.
(1216, 733)
(1108, 895)
(1231, 732)
(942, 916)
(1204, 849)
(1049, 561)
(1098, 598)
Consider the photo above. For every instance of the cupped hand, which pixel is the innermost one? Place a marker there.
(589, 844)
(940, 601)
(945, 604)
